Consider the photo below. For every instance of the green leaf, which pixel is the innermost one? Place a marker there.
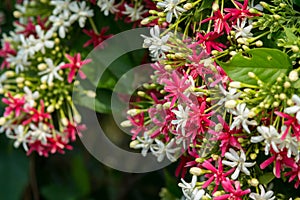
(266, 63)
(55, 192)
(266, 178)
(14, 168)
(80, 175)
(297, 2)
(297, 84)
(171, 184)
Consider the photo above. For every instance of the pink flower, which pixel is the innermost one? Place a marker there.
(217, 175)
(29, 27)
(176, 86)
(14, 105)
(137, 122)
(209, 41)
(198, 64)
(294, 174)
(281, 160)
(240, 12)
(96, 38)
(220, 22)
(235, 193)
(290, 122)
(75, 65)
(37, 115)
(5, 52)
(199, 120)
(226, 136)
(73, 129)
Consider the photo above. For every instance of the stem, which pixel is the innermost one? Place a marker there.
(93, 25)
(33, 180)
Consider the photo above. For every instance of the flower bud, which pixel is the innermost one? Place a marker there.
(196, 171)
(64, 121)
(126, 123)
(133, 144)
(133, 112)
(287, 84)
(295, 48)
(230, 104)
(188, 6)
(9, 74)
(50, 109)
(293, 75)
(254, 182)
(2, 121)
(235, 84)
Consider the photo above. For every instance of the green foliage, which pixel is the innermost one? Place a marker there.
(266, 178)
(14, 172)
(266, 63)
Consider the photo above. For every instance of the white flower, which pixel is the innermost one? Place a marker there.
(18, 62)
(241, 30)
(160, 150)
(238, 161)
(81, 12)
(40, 132)
(232, 94)
(171, 7)
(242, 118)
(60, 23)
(51, 72)
(263, 195)
(27, 47)
(3, 78)
(135, 13)
(156, 44)
(30, 97)
(269, 135)
(190, 191)
(107, 6)
(61, 7)
(145, 143)
(182, 116)
(290, 143)
(44, 39)
(294, 109)
(20, 137)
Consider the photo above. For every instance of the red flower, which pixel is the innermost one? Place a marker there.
(53, 145)
(29, 27)
(176, 86)
(97, 38)
(73, 129)
(216, 175)
(14, 105)
(5, 52)
(209, 41)
(138, 123)
(294, 174)
(290, 122)
(226, 136)
(281, 160)
(37, 115)
(220, 22)
(240, 12)
(75, 65)
(235, 193)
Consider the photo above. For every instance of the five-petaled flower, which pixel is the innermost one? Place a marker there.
(75, 64)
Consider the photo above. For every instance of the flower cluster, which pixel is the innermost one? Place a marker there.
(40, 61)
(224, 97)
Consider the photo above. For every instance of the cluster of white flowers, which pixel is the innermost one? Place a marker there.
(66, 13)
(156, 44)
